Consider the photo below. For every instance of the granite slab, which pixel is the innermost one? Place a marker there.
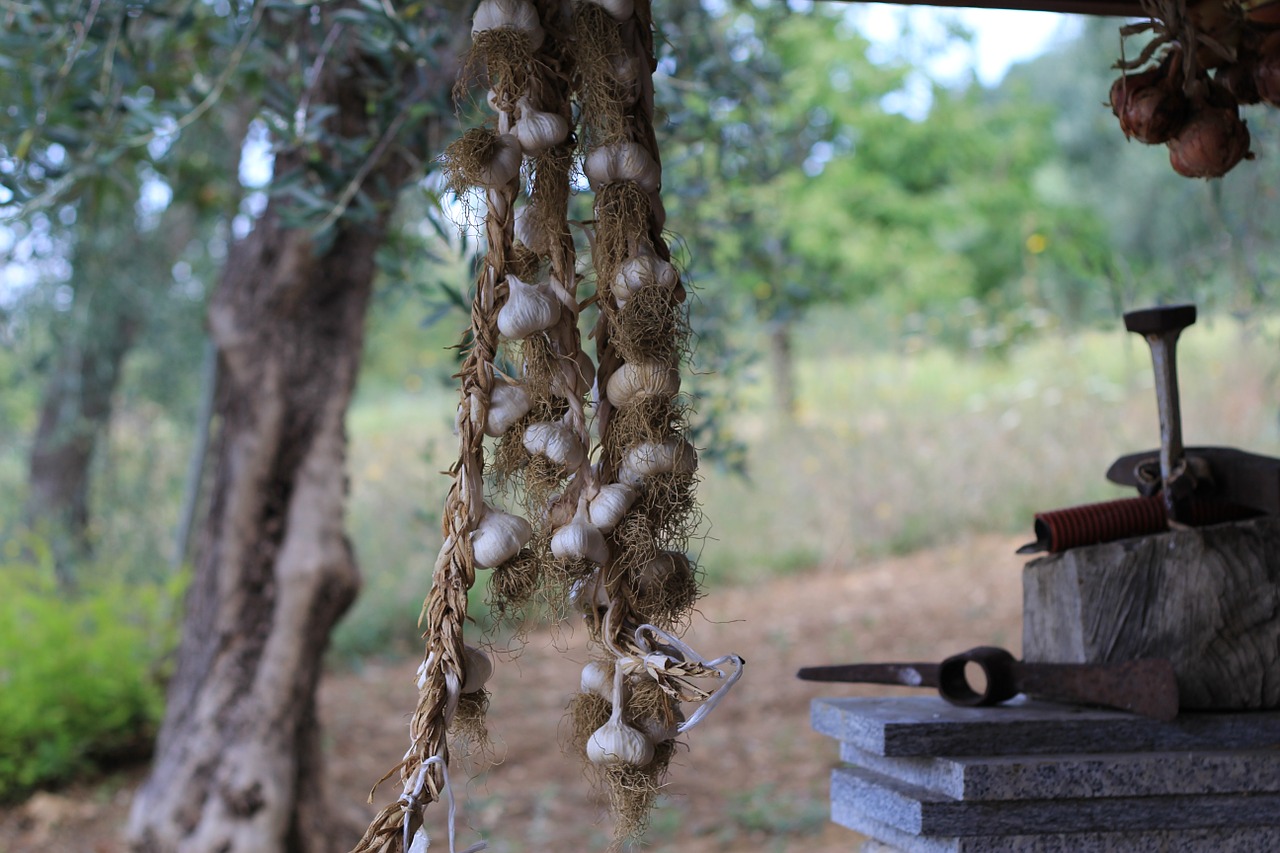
(1031, 777)
(1234, 840)
(918, 811)
(929, 726)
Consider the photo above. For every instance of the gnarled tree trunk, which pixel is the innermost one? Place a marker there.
(238, 765)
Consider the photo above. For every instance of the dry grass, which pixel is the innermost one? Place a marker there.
(889, 453)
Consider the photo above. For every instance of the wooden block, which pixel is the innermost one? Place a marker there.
(1207, 599)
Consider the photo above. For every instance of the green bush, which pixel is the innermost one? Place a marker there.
(81, 673)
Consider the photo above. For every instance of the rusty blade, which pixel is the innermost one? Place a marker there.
(1147, 687)
(905, 674)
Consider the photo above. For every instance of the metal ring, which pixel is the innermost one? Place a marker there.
(997, 666)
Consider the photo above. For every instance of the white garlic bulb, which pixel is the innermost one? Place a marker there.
(589, 595)
(656, 573)
(538, 130)
(580, 540)
(528, 309)
(557, 442)
(597, 678)
(617, 743)
(619, 10)
(508, 403)
(644, 269)
(634, 380)
(477, 667)
(529, 231)
(498, 537)
(504, 164)
(574, 378)
(648, 458)
(623, 161)
(609, 504)
(517, 14)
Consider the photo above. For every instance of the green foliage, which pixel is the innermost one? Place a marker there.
(81, 674)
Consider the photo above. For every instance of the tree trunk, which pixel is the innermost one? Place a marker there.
(237, 761)
(783, 368)
(238, 766)
(119, 271)
(74, 414)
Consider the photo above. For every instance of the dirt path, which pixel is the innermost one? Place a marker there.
(754, 777)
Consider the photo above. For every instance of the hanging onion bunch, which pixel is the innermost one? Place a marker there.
(1176, 102)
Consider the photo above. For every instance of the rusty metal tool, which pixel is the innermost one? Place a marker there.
(1147, 687)
(1222, 473)
(1161, 327)
(1091, 524)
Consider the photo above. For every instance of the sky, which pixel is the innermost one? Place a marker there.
(1001, 37)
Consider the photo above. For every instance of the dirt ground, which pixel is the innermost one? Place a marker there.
(754, 776)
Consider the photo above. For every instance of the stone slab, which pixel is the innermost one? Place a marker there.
(918, 811)
(929, 726)
(1033, 777)
(1235, 840)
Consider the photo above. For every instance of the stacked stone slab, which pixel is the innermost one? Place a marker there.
(924, 776)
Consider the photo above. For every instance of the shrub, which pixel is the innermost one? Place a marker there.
(81, 673)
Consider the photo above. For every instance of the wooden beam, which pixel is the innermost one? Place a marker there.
(1110, 8)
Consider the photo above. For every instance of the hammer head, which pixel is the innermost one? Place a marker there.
(1247, 479)
(1160, 320)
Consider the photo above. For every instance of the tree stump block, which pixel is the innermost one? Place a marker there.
(1207, 599)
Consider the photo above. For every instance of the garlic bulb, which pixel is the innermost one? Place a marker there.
(597, 678)
(617, 743)
(609, 504)
(477, 668)
(644, 269)
(520, 15)
(648, 458)
(580, 540)
(635, 380)
(528, 309)
(504, 163)
(574, 378)
(589, 595)
(619, 10)
(538, 130)
(657, 572)
(508, 403)
(623, 161)
(555, 441)
(498, 537)
(529, 230)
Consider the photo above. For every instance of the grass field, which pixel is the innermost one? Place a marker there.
(889, 452)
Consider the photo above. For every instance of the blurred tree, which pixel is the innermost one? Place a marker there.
(754, 96)
(351, 93)
(360, 91)
(98, 95)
